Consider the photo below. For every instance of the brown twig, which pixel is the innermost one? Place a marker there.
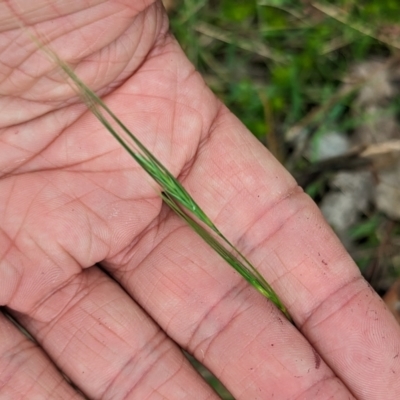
(254, 46)
(344, 18)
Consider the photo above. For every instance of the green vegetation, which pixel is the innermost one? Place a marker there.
(171, 191)
(273, 61)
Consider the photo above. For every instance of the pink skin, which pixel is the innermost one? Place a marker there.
(74, 205)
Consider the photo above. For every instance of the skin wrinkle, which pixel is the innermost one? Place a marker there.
(245, 379)
(172, 128)
(241, 240)
(26, 162)
(57, 386)
(9, 247)
(145, 371)
(40, 375)
(311, 389)
(97, 321)
(142, 263)
(173, 116)
(308, 324)
(74, 261)
(7, 204)
(374, 334)
(190, 159)
(66, 255)
(88, 211)
(248, 379)
(277, 360)
(79, 292)
(145, 374)
(76, 25)
(74, 299)
(3, 75)
(28, 73)
(155, 245)
(293, 277)
(41, 15)
(86, 24)
(125, 257)
(17, 68)
(203, 139)
(16, 146)
(158, 42)
(29, 209)
(158, 387)
(287, 195)
(198, 263)
(64, 314)
(299, 211)
(43, 250)
(150, 147)
(342, 304)
(47, 255)
(193, 347)
(28, 236)
(19, 352)
(89, 160)
(17, 273)
(97, 340)
(33, 307)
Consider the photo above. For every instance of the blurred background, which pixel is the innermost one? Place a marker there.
(318, 83)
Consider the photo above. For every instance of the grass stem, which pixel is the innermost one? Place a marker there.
(172, 192)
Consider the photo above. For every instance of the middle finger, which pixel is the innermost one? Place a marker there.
(108, 346)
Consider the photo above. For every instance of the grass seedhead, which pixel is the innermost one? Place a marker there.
(172, 192)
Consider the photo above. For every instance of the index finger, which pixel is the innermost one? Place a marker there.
(285, 235)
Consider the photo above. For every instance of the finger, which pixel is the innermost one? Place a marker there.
(25, 371)
(258, 205)
(285, 235)
(212, 313)
(107, 345)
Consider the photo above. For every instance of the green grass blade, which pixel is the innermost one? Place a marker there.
(256, 280)
(172, 191)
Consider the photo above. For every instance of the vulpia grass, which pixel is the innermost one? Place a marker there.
(172, 192)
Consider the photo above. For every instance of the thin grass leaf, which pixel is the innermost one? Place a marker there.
(253, 277)
(172, 192)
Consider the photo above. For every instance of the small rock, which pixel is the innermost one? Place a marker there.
(342, 207)
(387, 192)
(332, 144)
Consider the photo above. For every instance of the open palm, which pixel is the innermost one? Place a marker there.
(110, 283)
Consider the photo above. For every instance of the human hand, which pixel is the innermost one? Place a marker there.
(110, 283)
